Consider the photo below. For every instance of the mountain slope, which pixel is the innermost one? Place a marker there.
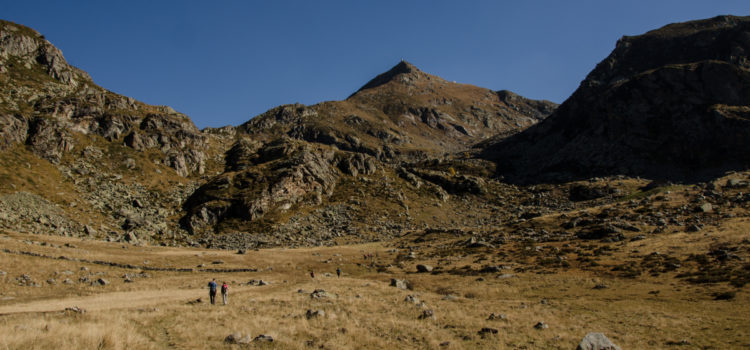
(673, 103)
(80, 160)
(404, 113)
(295, 159)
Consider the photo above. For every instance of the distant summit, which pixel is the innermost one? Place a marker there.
(404, 71)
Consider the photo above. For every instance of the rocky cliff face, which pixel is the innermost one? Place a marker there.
(672, 103)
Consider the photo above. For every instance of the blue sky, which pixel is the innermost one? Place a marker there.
(223, 62)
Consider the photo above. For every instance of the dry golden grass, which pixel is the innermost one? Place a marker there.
(646, 312)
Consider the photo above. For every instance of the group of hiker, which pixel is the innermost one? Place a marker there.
(212, 291)
(338, 273)
(212, 286)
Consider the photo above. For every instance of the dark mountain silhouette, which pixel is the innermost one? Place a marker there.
(673, 103)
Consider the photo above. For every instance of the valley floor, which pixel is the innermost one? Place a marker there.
(471, 307)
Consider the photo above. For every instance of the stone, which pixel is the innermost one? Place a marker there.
(89, 230)
(400, 284)
(412, 299)
(705, 208)
(497, 317)
(487, 330)
(75, 309)
(596, 341)
(321, 294)
(102, 281)
(263, 338)
(541, 325)
(424, 268)
(427, 314)
(310, 314)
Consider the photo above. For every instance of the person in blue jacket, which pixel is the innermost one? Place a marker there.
(212, 291)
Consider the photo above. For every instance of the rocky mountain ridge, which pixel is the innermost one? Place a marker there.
(120, 169)
(671, 104)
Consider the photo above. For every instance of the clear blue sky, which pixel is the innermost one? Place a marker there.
(223, 62)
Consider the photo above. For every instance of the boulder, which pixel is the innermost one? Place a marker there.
(424, 268)
(263, 338)
(596, 341)
(400, 284)
(427, 314)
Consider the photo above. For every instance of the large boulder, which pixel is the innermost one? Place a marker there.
(596, 341)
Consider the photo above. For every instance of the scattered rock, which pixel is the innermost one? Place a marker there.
(486, 331)
(427, 314)
(102, 281)
(541, 325)
(75, 310)
(310, 314)
(321, 294)
(413, 299)
(596, 341)
(497, 317)
(424, 268)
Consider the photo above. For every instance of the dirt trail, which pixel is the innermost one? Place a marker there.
(107, 301)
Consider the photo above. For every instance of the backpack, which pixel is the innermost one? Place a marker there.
(224, 288)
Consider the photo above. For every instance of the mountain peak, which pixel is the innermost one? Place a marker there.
(403, 67)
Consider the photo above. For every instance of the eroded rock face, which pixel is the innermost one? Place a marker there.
(49, 140)
(671, 103)
(279, 175)
(13, 130)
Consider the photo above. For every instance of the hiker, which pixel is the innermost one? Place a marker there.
(224, 292)
(212, 291)
(312, 274)
(338, 272)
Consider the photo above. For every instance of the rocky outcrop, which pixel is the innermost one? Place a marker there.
(48, 139)
(13, 130)
(63, 100)
(29, 48)
(672, 103)
(283, 173)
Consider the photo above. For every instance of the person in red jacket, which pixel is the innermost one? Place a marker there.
(225, 292)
